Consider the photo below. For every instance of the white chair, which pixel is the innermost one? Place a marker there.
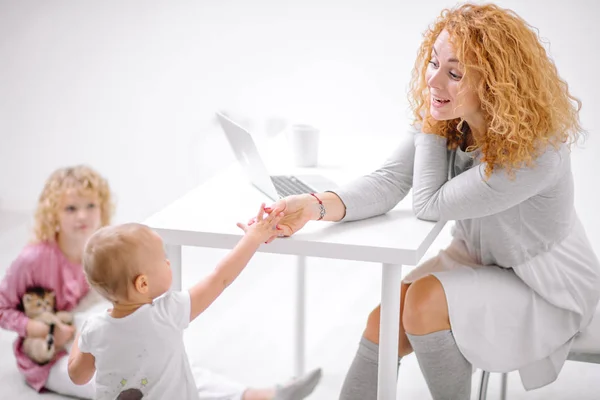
(586, 348)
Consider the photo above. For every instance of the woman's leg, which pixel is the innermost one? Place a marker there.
(59, 382)
(361, 379)
(427, 323)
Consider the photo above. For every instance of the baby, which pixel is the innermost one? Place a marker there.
(138, 344)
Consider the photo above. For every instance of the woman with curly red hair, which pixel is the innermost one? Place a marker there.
(488, 149)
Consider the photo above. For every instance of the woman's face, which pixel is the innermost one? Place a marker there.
(450, 98)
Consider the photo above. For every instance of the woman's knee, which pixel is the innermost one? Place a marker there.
(426, 308)
(372, 330)
(373, 321)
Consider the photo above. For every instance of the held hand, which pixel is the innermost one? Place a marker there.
(62, 334)
(263, 228)
(297, 210)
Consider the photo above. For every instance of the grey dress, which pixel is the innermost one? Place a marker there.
(520, 276)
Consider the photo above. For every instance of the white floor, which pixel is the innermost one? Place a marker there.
(247, 334)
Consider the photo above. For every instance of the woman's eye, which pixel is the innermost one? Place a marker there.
(92, 205)
(455, 76)
(433, 63)
(70, 208)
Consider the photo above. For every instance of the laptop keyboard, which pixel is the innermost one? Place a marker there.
(288, 185)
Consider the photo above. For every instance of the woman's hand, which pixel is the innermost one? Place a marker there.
(297, 211)
(263, 228)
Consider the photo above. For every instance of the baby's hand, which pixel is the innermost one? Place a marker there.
(263, 228)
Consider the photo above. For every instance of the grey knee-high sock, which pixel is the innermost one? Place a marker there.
(361, 380)
(446, 370)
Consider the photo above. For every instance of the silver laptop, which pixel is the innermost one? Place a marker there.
(274, 186)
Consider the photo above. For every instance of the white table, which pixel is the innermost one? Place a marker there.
(206, 217)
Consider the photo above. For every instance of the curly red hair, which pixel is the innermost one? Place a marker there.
(525, 103)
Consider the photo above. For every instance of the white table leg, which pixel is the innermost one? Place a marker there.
(300, 316)
(389, 331)
(174, 256)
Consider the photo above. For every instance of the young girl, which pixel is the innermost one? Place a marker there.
(75, 202)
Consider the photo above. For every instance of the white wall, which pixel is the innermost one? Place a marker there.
(130, 87)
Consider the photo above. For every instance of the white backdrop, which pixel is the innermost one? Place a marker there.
(130, 87)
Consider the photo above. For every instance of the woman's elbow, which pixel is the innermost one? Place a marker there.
(425, 213)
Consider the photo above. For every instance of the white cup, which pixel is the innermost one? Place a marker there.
(304, 142)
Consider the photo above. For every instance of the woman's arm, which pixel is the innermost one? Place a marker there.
(335, 209)
(368, 196)
(470, 194)
(380, 191)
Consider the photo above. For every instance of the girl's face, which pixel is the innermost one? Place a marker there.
(79, 216)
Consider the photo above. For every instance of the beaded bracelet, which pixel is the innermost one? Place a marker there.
(321, 207)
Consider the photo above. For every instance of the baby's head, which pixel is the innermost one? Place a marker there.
(127, 263)
(74, 203)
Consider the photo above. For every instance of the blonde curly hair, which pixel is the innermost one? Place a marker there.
(82, 178)
(525, 103)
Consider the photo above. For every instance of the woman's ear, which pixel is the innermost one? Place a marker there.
(141, 284)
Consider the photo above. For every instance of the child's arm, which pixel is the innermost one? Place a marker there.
(36, 329)
(207, 290)
(14, 284)
(82, 366)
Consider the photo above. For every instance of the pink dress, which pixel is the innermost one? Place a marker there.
(44, 265)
